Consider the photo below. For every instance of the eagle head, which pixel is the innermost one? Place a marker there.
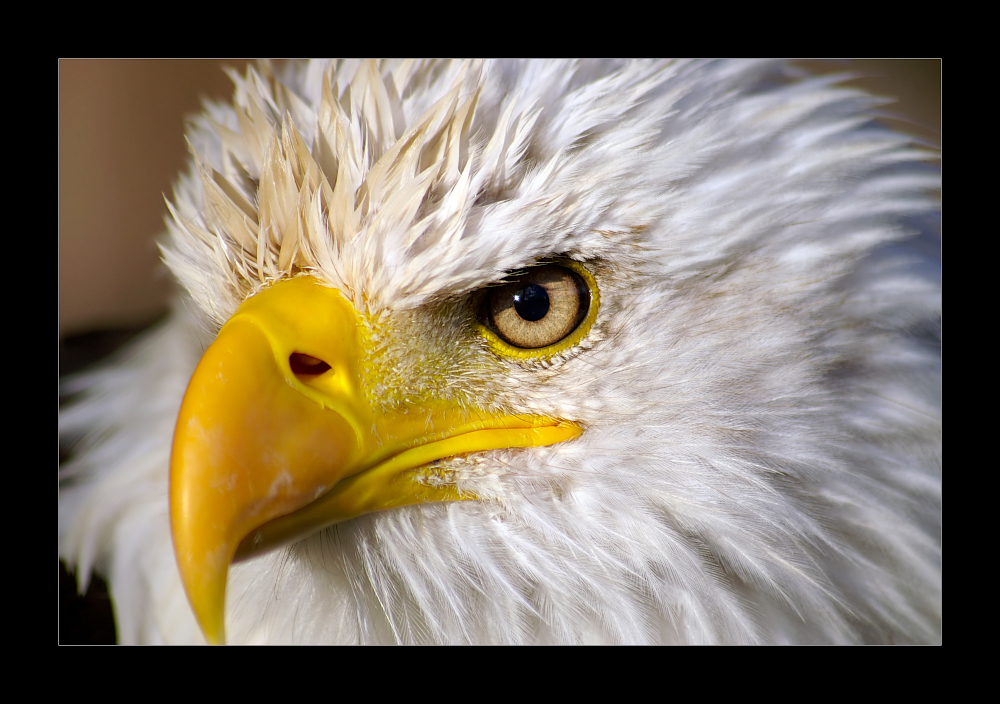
(528, 352)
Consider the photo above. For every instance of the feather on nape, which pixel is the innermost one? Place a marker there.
(759, 391)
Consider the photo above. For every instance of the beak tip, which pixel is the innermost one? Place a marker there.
(209, 610)
(204, 582)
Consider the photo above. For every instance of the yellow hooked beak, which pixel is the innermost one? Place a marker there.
(279, 436)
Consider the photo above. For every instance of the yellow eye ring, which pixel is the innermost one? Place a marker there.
(497, 320)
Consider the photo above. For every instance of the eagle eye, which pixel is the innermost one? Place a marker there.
(538, 308)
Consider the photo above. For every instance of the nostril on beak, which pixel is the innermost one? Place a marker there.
(307, 365)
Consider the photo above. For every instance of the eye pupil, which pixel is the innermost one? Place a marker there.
(532, 302)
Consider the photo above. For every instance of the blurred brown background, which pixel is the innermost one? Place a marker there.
(121, 144)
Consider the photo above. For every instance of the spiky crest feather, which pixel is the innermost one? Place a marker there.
(384, 191)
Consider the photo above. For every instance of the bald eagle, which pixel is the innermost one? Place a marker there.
(528, 352)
